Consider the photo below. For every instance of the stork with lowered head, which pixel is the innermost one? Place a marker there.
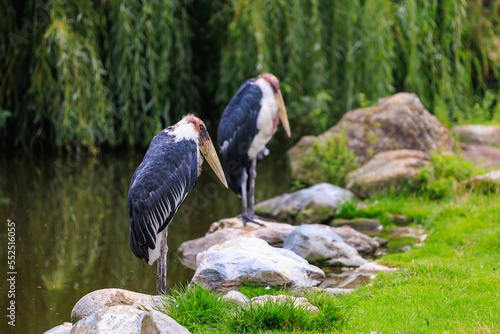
(167, 174)
(247, 124)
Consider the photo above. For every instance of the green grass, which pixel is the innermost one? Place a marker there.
(449, 285)
(202, 311)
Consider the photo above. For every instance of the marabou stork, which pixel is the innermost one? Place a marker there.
(247, 124)
(160, 184)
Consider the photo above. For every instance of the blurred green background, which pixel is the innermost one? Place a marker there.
(104, 73)
(107, 75)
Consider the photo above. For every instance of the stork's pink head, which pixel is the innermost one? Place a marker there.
(198, 123)
(275, 83)
(206, 146)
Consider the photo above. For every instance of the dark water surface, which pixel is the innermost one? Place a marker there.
(71, 226)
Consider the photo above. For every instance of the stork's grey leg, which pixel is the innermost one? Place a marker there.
(245, 216)
(244, 179)
(253, 174)
(161, 273)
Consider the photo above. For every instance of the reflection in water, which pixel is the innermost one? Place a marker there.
(72, 230)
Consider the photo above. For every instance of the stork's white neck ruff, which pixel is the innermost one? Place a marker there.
(184, 130)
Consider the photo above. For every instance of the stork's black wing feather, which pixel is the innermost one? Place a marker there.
(237, 129)
(159, 186)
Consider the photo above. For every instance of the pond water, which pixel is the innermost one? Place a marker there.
(72, 230)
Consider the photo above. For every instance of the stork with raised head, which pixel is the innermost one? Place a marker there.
(247, 124)
(160, 184)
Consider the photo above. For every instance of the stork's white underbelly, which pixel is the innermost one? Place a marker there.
(268, 112)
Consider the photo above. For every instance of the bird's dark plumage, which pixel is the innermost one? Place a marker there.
(237, 129)
(159, 186)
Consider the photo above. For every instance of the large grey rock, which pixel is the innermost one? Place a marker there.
(65, 328)
(273, 233)
(297, 302)
(189, 249)
(478, 134)
(397, 122)
(316, 204)
(96, 300)
(481, 155)
(322, 246)
(359, 241)
(230, 228)
(127, 320)
(226, 265)
(387, 171)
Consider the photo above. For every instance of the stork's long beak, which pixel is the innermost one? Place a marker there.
(282, 113)
(209, 153)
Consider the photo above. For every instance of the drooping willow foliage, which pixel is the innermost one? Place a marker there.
(90, 73)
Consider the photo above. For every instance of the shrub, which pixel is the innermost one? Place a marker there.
(331, 159)
(446, 177)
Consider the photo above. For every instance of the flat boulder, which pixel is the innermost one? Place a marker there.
(387, 171)
(481, 155)
(316, 204)
(225, 266)
(359, 241)
(104, 298)
(397, 122)
(125, 319)
(230, 228)
(323, 247)
(477, 134)
(189, 249)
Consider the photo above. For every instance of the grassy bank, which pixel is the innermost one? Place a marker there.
(450, 284)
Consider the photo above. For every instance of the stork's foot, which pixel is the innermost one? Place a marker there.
(254, 216)
(247, 218)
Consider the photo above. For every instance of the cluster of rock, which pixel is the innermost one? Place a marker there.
(242, 256)
(392, 142)
(118, 311)
(230, 254)
(276, 254)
